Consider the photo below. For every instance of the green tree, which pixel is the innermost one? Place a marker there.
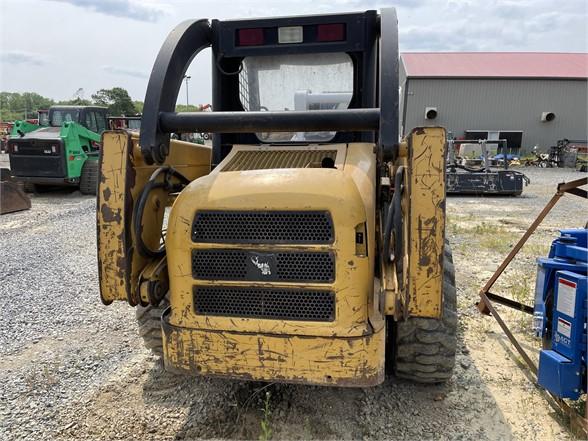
(116, 99)
(139, 106)
(179, 107)
(184, 108)
(14, 105)
(76, 102)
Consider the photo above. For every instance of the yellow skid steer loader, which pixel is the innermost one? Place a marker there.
(303, 246)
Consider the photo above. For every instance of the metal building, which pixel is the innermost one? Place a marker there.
(527, 98)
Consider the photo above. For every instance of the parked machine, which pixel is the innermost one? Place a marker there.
(570, 153)
(63, 153)
(124, 122)
(12, 195)
(559, 311)
(318, 262)
(482, 180)
(560, 316)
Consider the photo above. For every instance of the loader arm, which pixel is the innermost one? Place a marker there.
(123, 176)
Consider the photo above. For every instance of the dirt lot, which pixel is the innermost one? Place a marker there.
(71, 368)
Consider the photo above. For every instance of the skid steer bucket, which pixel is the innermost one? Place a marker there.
(12, 196)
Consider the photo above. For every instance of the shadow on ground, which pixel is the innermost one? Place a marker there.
(397, 409)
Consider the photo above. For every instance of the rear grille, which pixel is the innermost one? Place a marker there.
(266, 303)
(267, 159)
(302, 227)
(37, 166)
(291, 266)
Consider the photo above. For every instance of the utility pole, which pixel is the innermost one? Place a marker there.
(187, 77)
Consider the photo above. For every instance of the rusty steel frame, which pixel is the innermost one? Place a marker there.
(578, 423)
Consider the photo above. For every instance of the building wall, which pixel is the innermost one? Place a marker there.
(498, 104)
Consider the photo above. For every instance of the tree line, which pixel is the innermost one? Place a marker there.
(15, 106)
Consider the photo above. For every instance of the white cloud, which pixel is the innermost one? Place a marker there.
(100, 44)
(22, 57)
(124, 71)
(133, 9)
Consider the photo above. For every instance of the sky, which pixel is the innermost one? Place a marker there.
(57, 47)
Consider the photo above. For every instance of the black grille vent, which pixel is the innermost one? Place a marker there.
(282, 304)
(302, 227)
(305, 267)
(219, 264)
(291, 266)
(267, 159)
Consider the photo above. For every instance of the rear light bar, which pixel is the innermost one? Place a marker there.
(322, 33)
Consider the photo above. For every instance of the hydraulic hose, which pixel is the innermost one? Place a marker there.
(139, 208)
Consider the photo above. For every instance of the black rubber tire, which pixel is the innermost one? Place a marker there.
(425, 348)
(89, 177)
(149, 321)
(29, 187)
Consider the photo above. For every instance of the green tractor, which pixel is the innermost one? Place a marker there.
(63, 150)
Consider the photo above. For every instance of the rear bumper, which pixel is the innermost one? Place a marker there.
(48, 181)
(334, 361)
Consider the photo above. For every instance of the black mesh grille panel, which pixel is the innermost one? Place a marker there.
(302, 227)
(265, 303)
(305, 267)
(290, 266)
(267, 159)
(219, 264)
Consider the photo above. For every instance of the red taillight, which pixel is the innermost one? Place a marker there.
(71, 157)
(330, 32)
(250, 37)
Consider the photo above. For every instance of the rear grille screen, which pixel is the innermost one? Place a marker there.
(302, 227)
(38, 166)
(266, 303)
(317, 267)
(268, 159)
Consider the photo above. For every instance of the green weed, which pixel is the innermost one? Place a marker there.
(266, 429)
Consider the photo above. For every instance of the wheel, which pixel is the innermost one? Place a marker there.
(149, 321)
(89, 177)
(425, 348)
(29, 187)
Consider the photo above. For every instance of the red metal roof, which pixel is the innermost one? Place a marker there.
(496, 64)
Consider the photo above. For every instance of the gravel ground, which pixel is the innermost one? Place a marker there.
(71, 368)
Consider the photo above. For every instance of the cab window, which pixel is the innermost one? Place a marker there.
(91, 121)
(296, 82)
(100, 122)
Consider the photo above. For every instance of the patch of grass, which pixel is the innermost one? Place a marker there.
(536, 249)
(266, 429)
(500, 243)
(522, 290)
(40, 377)
(489, 229)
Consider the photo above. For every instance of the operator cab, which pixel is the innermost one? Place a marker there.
(91, 117)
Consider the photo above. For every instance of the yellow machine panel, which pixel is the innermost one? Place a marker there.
(427, 221)
(345, 192)
(350, 361)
